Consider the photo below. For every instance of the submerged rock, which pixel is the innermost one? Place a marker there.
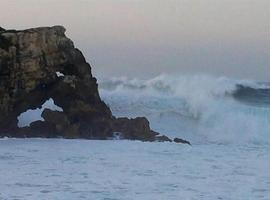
(178, 140)
(163, 138)
(42, 63)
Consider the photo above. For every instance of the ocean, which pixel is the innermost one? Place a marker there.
(202, 109)
(227, 122)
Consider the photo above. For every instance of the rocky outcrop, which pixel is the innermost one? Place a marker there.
(42, 63)
(178, 140)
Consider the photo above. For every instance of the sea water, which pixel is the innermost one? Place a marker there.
(227, 122)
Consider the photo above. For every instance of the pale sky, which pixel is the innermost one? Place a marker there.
(144, 38)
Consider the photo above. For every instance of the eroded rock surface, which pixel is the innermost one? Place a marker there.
(42, 63)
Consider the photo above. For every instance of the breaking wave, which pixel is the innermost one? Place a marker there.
(198, 108)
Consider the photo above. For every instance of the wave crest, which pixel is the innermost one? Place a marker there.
(195, 107)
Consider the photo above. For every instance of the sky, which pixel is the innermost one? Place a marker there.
(145, 38)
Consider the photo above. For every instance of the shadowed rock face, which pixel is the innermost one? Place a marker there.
(30, 63)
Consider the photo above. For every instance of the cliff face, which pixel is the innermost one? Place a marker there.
(30, 63)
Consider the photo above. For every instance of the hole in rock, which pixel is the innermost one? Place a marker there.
(59, 74)
(26, 118)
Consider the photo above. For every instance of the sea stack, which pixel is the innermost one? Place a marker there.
(42, 63)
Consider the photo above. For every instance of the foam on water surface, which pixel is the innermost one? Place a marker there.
(199, 108)
(126, 170)
(229, 157)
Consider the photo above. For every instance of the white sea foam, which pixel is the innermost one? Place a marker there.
(200, 108)
(229, 158)
(124, 170)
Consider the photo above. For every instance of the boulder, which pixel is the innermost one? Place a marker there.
(134, 129)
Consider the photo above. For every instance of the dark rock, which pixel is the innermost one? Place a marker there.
(39, 129)
(134, 129)
(62, 125)
(163, 138)
(30, 61)
(178, 140)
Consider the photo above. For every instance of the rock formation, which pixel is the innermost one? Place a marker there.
(30, 63)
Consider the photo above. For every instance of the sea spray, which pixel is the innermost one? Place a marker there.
(199, 108)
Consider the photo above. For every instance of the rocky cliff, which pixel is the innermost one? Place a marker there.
(30, 63)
